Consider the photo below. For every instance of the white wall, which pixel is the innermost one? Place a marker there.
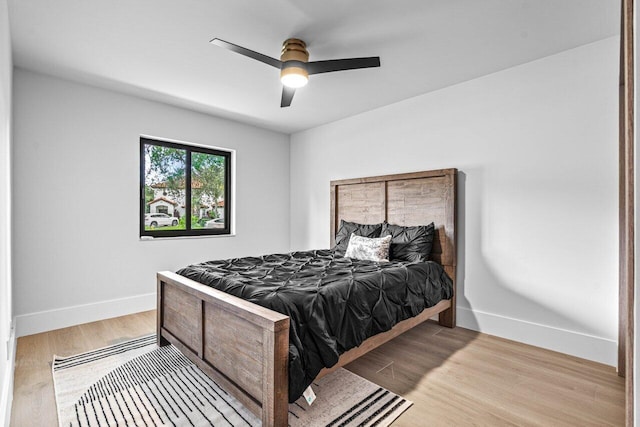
(6, 360)
(536, 147)
(76, 153)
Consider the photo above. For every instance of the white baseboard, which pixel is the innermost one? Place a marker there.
(589, 347)
(42, 321)
(6, 389)
(569, 342)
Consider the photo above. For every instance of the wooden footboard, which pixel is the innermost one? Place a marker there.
(240, 345)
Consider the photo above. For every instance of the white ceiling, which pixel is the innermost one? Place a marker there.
(159, 49)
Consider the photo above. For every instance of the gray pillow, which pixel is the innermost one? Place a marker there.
(347, 228)
(412, 243)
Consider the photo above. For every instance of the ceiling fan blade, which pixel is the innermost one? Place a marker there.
(287, 96)
(246, 52)
(317, 67)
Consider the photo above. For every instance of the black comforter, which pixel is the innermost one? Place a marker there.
(334, 303)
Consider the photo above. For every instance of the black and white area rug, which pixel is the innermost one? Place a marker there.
(135, 383)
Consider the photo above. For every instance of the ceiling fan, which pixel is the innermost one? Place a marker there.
(294, 66)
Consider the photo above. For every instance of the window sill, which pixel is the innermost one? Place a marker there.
(214, 236)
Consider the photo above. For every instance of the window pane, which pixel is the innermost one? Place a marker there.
(164, 188)
(170, 208)
(207, 191)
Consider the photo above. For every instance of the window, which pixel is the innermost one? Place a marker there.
(185, 190)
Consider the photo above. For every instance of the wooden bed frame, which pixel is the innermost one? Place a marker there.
(244, 347)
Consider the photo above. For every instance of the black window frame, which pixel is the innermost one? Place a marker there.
(188, 232)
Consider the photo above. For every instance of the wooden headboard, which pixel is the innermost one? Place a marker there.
(416, 198)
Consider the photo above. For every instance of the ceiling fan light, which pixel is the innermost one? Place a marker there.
(294, 77)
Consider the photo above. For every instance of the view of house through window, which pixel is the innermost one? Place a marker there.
(185, 189)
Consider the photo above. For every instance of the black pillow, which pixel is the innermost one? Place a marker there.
(346, 228)
(409, 243)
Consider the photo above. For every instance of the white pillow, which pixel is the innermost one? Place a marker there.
(365, 248)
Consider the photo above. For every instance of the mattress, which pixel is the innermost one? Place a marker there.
(334, 303)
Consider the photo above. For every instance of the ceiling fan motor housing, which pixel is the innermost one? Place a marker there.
(294, 57)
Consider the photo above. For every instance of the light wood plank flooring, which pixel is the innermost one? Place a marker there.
(455, 377)
(33, 400)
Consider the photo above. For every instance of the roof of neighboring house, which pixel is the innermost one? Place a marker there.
(194, 184)
(163, 199)
(220, 205)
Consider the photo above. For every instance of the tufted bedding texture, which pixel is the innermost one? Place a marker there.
(334, 303)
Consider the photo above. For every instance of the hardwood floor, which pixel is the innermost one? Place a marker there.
(458, 377)
(33, 400)
(455, 377)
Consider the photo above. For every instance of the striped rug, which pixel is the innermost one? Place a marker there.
(135, 383)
